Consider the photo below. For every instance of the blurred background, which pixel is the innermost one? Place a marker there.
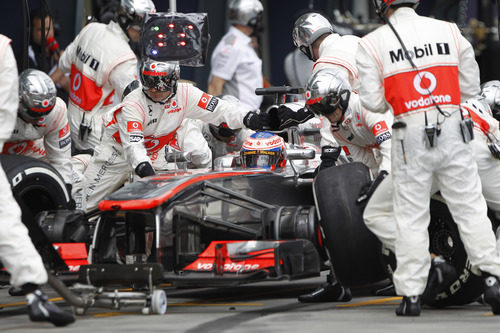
(478, 20)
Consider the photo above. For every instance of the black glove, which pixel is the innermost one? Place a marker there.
(71, 202)
(329, 156)
(224, 131)
(287, 117)
(368, 190)
(256, 121)
(144, 169)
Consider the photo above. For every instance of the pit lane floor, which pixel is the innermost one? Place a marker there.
(258, 307)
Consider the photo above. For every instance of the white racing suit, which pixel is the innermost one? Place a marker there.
(447, 67)
(339, 52)
(17, 252)
(363, 135)
(48, 140)
(379, 212)
(138, 128)
(101, 64)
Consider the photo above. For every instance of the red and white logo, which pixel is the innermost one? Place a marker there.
(379, 128)
(308, 94)
(64, 131)
(134, 126)
(203, 102)
(425, 83)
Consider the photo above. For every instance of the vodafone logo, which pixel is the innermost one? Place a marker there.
(153, 66)
(45, 103)
(424, 83)
(308, 94)
(77, 82)
(204, 99)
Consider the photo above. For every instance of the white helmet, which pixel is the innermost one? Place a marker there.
(307, 29)
(382, 6)
(162, 76)
(131, 13)
(491, 92)
(246, 12)
(37, 94)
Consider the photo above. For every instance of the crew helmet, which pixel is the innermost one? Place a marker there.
(382, 6)
(491, 92)
(326, 91)
(131, 13)
(246, 12)
(263, 150)
(37, 94)
(307, 29)
(162, 76)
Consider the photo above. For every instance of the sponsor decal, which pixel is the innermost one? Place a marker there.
(383, 137)
(152, 121)
(134, 126)
(212, 104)
(174, 110)
(64, 131)
(85, 57)
(379, 128)
(203, 102)
(419, 52)
(94, 64)
(64, 142)
(136, 138)
(232, 267)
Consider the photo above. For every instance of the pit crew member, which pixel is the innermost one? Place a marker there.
(147, 120)
(491, 92)
(17, 253)
(430, 135)
(41, 129)
(101, 64)
(236, 69)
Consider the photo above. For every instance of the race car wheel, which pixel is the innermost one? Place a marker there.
(35, 183)
(444, 240)
(159, 302)
(353, 250)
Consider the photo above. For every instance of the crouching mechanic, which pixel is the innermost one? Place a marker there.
(147, 121)
(365, 137)
(42, 129)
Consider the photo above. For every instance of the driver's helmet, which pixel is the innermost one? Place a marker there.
(263, 150)
(37, 94)
(326, 91)
(491, 92)
(246, 12)
(162, 76)
(383, 5)
(306, 29)
(131, 13)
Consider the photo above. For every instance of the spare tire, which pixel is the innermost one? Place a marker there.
(353, 249)
(36, 185)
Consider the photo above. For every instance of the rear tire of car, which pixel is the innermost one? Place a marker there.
(36, 185)
(353, 249)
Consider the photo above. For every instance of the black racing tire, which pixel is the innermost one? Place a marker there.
(36, 185)
(444, 240)
(353, 249)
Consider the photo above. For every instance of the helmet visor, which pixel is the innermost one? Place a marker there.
(159, 83)
(260, 158)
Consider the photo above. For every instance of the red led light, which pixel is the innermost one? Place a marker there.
(182, 35)
(171, 25)
(161, 44)
(182, 43)
(161, 36)
(190, 27)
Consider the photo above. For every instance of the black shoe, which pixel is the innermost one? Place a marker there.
(41, 309)
(328, 293)
(441, 275)
(492, 293)
(386, 291)
(410, 306)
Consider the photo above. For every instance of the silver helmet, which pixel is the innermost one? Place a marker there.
(326, 91)
(37, 94)
(491, 92)
(131, 13)
(162, 76)
(381, 6)
(307, 29)
(246, 12)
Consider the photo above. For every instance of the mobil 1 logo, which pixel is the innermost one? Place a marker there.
(420, 52)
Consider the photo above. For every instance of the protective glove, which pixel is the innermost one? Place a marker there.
(71, 202)
(257, 121)
(287, 117)
(224, 131)
(144, 169)
(329, 156)
(368, 190)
